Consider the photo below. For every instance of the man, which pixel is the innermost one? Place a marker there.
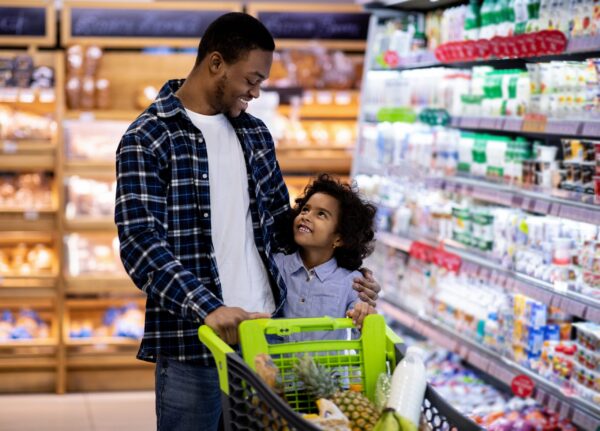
(201, 207)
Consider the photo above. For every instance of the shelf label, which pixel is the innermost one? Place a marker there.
(580, 214)
(563, 127)
(554, 209)
(593, 314)
(479, 361)
(534, 123)
(512, 124)
(522, 386)
(540, 396)
(455, 122)
(541, 206)
(565, 411)
(31, 215)
(490, 123)
(504, 375)
(553, 403)
(591, 129)
(573, 307)
(470, 122)
(585, 421)
(9, 147)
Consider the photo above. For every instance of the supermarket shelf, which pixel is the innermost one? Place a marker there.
(17, 162)
(42, 219)
(582, 412)
(577, 50)
(14, 237)
(26, 146)
(571, 302)
(337, 163)
(28, 282)
(556, 203)
(408, 5)
(102, 342)
(109, 114)
(91, 168)
(550, 127)
(322, 111)
(83, 224)
(101, 283)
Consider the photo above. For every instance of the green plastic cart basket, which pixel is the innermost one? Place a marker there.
(249, 404)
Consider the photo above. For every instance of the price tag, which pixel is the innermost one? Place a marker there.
(554, 209)
(565, 411)
(9, 147)
(470, 122)
(563, 127)
(479, 361)
(525, 203)
(504, 375)
(47, 95)
(553, 403)
(31, 215)
(26, 95)
(591, 129)
(593, 314)
(463, 351)
(534, 124)
(455, 122)
(585, 421)
(504, 198)
(489, 123)
(580, 214)
(522, 386)
(540, 396)
(573, 307)
(512, 124)
(541, 206)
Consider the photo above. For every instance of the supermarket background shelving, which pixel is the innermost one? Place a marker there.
(403, 162)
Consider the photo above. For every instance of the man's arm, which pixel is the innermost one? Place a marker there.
(141, 218)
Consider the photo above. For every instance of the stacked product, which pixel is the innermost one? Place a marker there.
(25, 325)
(126, 321)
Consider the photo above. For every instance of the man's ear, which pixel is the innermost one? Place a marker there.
(215, 62)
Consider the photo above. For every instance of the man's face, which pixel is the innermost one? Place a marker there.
(240, 82)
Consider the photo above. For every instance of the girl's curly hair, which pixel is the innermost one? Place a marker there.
(355, 224)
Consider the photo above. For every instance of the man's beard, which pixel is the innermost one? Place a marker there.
(220, 95)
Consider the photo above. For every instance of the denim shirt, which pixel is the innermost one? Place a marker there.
(325, 290)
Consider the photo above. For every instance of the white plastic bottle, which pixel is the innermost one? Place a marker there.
(408, 386)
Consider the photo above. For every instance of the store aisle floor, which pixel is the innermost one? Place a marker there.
(113, 411)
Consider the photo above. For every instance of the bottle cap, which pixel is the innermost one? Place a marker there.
(417, 351)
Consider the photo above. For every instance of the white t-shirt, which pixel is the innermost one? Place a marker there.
(244, 278)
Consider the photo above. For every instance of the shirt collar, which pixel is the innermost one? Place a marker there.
(166, 103)
(322, 271)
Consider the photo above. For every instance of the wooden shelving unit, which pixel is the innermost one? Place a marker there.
(61, 363)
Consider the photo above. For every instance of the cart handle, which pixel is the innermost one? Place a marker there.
(219, 350)
(284, 327)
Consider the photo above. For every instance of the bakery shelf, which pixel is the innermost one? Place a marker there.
(104, 114)
(29, 283)
(571, 302)
(311, 162)
(101, 284)
(27, 219)
(582, 412)
(90, 224)
(89, 168)
(16, 162)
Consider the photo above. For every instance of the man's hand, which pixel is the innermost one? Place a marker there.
(225, 321)
(359, 312)
(367, 287)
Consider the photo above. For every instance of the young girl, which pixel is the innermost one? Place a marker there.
(332, 232)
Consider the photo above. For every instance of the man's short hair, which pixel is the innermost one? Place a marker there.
(233, 35)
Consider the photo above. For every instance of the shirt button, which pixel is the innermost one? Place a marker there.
(205, 215)
(302, 300)
(204, 176)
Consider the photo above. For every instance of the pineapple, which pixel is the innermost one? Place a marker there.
(322, 383)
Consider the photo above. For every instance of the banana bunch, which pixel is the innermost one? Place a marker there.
(392, 421)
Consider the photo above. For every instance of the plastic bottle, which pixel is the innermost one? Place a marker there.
(408, 386)
(472, 21)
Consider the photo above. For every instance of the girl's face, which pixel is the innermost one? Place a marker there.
(316, 225)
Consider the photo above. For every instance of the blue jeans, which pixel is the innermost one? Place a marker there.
(188, 397)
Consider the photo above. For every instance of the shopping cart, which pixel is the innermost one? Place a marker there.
(249, 404)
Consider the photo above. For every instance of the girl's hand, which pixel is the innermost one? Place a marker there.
(359, 312)
(367, 287)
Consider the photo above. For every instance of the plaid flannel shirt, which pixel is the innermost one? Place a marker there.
(163, 214)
